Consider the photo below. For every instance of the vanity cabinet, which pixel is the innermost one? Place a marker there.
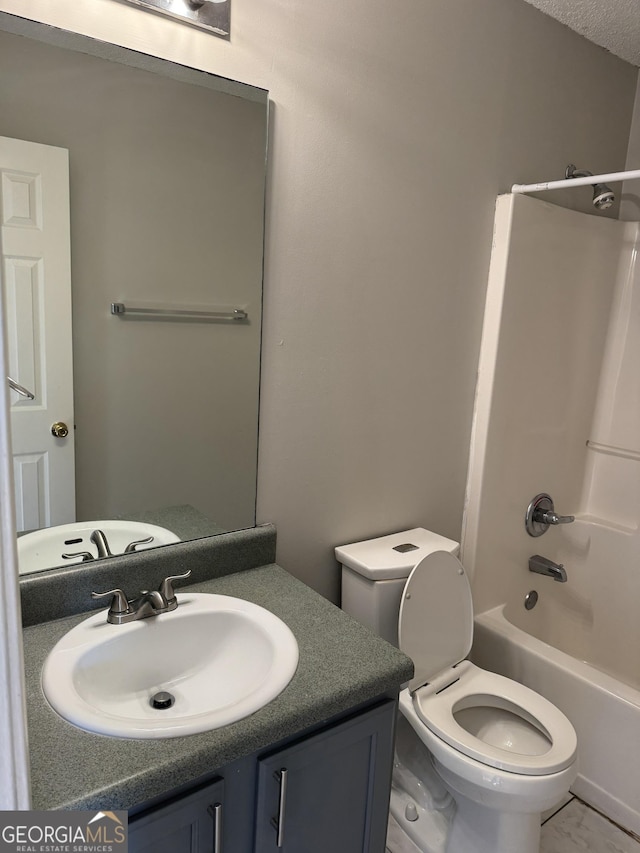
(326, 791)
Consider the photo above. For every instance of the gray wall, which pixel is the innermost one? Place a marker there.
(411, 127)
(395, 126)
(167, 199)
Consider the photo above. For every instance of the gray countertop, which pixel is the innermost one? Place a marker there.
(183, 520)
(341, 665)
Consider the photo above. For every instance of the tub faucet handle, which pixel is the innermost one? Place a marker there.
(551, 517)
(541, 515)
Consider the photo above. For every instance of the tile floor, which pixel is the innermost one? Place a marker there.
(574, 828)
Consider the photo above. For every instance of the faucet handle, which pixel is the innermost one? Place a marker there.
(550, 517)
(87, 556)
(166, 587)
(541, 515)
(133, 546)
(119, 603)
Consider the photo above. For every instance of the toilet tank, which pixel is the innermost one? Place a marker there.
(375, 571)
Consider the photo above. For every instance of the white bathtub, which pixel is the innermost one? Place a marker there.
(604, 710)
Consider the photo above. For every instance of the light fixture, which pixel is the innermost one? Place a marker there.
(211, 15)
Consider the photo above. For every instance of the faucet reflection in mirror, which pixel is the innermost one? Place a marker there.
(162, 415)
(85, 542)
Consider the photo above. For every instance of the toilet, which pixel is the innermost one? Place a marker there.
(479, 757)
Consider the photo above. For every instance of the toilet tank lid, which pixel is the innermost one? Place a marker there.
(393, 556)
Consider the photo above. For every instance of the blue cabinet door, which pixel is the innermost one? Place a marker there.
(330, 791)
(190, 824)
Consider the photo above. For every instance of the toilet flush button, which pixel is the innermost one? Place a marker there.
(411, 812)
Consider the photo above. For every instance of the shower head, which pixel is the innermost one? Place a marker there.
(603, 196)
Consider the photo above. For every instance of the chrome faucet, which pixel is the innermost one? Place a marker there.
(543, 566)
(148, 603)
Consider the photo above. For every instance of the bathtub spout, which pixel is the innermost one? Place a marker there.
(543, 566)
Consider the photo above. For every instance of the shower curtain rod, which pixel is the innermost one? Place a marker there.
(590, 180)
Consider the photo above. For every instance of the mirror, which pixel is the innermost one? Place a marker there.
(166, 184)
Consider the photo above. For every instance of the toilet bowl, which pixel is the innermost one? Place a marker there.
(503, 752)
(519, 774)
(496, 811)
(496, 721)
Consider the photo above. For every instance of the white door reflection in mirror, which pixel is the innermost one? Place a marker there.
(167, 188)
(35, 244)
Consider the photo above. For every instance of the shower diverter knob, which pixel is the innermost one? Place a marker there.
(541, 515)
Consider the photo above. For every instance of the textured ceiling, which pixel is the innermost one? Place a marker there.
(613, 24)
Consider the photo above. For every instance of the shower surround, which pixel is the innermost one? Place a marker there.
(558, 411)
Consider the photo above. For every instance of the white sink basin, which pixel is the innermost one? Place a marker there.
(43, 549)
(221, 658)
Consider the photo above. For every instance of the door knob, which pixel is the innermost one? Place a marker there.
(59, 430)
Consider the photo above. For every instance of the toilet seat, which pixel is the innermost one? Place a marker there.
(452, 697)
(435, 626)
(550, 737)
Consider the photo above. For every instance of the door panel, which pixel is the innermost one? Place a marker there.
(36, 279)
(191, 824)
(334, 795)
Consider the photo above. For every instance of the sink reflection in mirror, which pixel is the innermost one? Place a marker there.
(166, 178)
(82, 542)
(210, 662)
